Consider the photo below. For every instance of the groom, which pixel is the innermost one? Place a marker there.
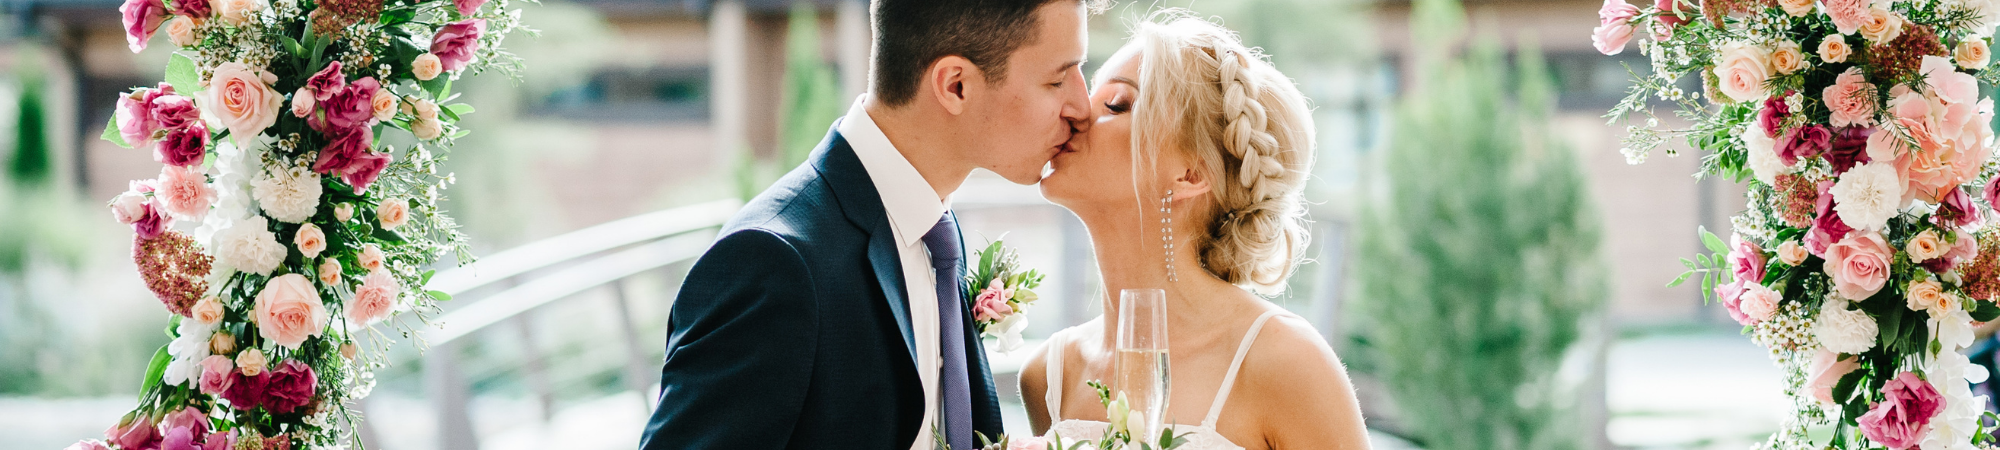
(829, 313)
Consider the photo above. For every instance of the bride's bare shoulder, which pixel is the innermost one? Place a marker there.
(1292, 368)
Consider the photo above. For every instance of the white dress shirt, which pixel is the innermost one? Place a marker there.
(913, 208)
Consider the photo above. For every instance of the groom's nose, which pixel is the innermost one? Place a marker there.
(1076, 103)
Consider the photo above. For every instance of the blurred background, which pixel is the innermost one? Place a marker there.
(1485, 261)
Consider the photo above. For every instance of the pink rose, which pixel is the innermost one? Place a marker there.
(327, 82)
(1611, 37)
(1827, 369)
(1731, 296)
(1741, 68)
(1746, 259)
(183, 147)
(1027, 443)
(184, 191)
(175, 111)
(467, 7)
(1803, 143)
(1758, 303)
(375, 297)
(1851, 99)
(426, 66)
(1859, 265)
(188, 417)
(152, 223)
(1955, 209)
(198, 9)
(87, 444)
(1848, 15)
(288, 311)
(290, 387)
(180, 438)
(1904, 414)
(246, 392)
(348, 152)
(457, 43)
(136, 122)
(991, 306)
(136, 434)
(241, 98)
(208, 310)
(216, 374)
(142, 19)
(303, 102)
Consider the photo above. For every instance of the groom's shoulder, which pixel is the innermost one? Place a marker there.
(798, 207)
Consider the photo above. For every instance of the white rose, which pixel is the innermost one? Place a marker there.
(128, 207)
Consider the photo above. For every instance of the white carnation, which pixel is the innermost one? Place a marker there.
(232, 172)
(250, 247)
(1843, 331)
(1763, 158)
(1868, 195)
(188, 350)
(287, 194)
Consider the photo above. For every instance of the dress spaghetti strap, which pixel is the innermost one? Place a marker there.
(1229, 381)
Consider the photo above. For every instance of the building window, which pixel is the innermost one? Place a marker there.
(647, 94)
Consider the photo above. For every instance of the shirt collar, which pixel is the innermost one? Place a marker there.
(912, 205)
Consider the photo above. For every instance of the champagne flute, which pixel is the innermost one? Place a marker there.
(1142, 357)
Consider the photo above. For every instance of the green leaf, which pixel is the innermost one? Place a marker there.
(1985, 311)
(426, 280)
(154, 370)
(1680, 279)
(111, 132)
(182, 75)
(1714, 243)
(439, 295)
(292, 46)
(387, 235)
(458, 109)
(398, 16)
(1845, 387)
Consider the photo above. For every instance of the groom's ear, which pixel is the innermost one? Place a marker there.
(948, 77)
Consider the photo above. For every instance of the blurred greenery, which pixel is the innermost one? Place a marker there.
(1477, 255)
(812, 101)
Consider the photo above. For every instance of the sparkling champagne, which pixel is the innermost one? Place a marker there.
(1143, 376)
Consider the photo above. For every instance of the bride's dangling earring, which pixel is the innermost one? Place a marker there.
(1167, 232)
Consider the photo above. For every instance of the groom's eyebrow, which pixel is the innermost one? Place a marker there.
(1067, 65)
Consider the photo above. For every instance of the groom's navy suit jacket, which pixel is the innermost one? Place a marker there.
(793, 330)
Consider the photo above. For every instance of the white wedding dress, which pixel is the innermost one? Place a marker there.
(1202, 437)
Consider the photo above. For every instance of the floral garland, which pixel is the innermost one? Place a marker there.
(281, 229)
(1863, 260)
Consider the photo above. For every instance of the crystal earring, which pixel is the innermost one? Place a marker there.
(1167, 232)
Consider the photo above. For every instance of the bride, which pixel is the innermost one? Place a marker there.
(1190, 180)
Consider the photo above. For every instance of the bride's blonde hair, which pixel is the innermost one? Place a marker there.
(1229, 112)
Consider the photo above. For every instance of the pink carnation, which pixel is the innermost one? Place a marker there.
(184, 191)
(246, 393)
(1904, 414)
(1847, 15)
(327, 82)
(1851, 99)
(374, 299)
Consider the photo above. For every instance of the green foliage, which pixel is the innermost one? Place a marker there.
(812, 101)
(30, 162)
(1713, 267)
(1477, 258)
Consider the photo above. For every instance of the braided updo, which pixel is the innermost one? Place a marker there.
(1236, 119)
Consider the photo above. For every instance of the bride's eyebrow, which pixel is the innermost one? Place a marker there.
(1127, 81)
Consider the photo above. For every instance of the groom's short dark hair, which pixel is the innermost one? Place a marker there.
(912, 34)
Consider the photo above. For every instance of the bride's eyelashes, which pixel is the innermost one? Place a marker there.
(1118, 107)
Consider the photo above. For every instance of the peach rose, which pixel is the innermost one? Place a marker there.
(241, 98)
(384, 104)
(207, 311)
(1925, 246)
(393, 213)
(1827, 369)
(1859, 265)
(343, 211)
(1834, 49)
(310, 240)
(237, 12)
(347, 350)
(251, 362)
(374, 299)
(1742, 69)
(288, 311)
(303, 103)
(422, 108)
(1882, 26)
(1791, 253)
(371, 257)
(427, 129)
(427, 66)
(1787, 58)
(329, 271)
(1971, 53)
(221, 343)
(1797, 8)
(1929, 295)
(180, 30)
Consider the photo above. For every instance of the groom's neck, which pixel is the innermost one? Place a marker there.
(926, 139)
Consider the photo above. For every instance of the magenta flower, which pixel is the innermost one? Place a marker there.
(1803, 143)
(246, 393)
(198, 9)
(1827, 228)
(184, 147)
(457, 43)
(467, 7)
(290, 387)
(1849, 148)
(179, 438)
(1772, 117)
(174, 111)
(1955, 209)
(142, 19)
(327, 82)
(136, 121)
(137, 434)
(1904, 414)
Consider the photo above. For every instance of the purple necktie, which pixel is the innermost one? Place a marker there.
(954, 387)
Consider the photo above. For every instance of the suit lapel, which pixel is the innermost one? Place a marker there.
(852, 189)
